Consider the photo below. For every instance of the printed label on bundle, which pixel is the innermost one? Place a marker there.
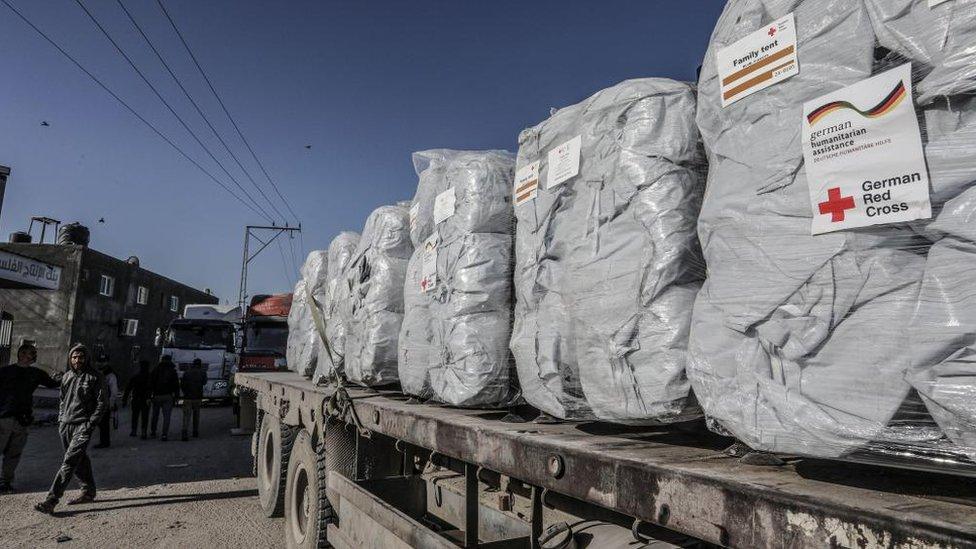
(863, 155)
(756, 62)
(444, 205)
(428, 265)
(414, 212)
(526, 183)
(564, 162)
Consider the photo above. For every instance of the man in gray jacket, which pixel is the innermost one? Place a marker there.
(84, 400)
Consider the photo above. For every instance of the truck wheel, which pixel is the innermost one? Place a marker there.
(307, 509)
(275, 442)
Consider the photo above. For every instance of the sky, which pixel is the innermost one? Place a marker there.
(333, 97)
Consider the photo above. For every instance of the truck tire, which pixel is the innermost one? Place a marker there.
(275, 442)
(307, 509)
(254, 444)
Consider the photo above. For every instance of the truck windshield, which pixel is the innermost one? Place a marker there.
(200, 337)
(267, 337)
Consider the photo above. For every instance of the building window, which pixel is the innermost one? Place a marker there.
(107, 286)
(130, 326)
(142, 295)
(174, 303)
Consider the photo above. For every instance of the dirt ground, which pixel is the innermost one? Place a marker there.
(150, 493)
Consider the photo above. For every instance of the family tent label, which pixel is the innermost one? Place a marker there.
(756, 62)
(526, 183)
(863, 155)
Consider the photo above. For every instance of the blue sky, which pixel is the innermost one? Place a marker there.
(363, 83)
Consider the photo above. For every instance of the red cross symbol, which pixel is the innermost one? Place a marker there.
(836, 205)
(772, 31)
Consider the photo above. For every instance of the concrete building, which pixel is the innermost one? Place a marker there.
(58, 295)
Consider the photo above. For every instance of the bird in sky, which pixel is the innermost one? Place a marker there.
(308, 146)
(44, 123)
(101, 220)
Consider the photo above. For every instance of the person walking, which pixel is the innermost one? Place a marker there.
(165, 390)
(192, 386)
(18, 382)
(140, 391)
(84, 400)
(107, 424)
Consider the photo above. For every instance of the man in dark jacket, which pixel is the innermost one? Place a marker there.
(140, 390)
(165, 388)
(192, 386)
(84, 400)
(18, 382)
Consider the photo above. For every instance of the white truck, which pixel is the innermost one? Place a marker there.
(206, 332)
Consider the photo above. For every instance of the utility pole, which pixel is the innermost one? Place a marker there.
(4, 174)
(270, 233)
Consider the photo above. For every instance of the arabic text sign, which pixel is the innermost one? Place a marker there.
(29, 271)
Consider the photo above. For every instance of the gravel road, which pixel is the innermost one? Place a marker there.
(150, 493)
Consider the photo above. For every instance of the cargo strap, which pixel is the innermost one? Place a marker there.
(340, 404)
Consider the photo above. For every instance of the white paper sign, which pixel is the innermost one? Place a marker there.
(444, 205)
(526, 183)
(934, 3)
(414, 212)
(29, 271)
(428, 265)
(564, 162)
(756, 62)
(863, 154)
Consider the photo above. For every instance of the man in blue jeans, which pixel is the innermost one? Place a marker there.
(165, 390)
(84, 400)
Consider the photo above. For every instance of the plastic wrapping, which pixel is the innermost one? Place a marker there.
(331, 357)
(454, 339)
(607, 261)
(302, 352)
(373, 311)
(819, 344)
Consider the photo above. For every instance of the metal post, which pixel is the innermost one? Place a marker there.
(536, 517)
(278, 231)
(240, 295)
(470, 506)
(4, 173)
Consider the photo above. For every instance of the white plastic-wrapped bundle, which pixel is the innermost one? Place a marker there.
(303, 339)
(939, 42)
(341, 250)
(373, 312)
(802, 342)
(607, 259)
(458, 291)
(302, 351)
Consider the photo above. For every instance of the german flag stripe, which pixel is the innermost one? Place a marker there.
(884, 107)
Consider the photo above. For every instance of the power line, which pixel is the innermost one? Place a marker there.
(168, 106)
(124, 104)
(291, 246)
(198, 109)
(224, 107)
(284, 265)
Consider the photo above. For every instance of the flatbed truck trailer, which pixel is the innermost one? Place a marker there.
(366, 468)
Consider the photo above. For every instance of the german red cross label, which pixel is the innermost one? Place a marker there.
(863, 156)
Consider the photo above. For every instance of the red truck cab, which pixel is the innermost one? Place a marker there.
(264, 334)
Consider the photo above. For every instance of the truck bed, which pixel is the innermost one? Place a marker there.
(673, 476)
